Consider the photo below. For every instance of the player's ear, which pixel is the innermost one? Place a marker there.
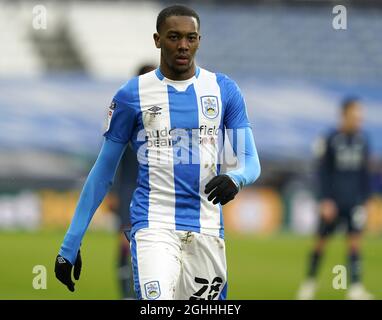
(156, 37)
(198, 42)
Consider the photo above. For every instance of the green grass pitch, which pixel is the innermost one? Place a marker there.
(269, 267)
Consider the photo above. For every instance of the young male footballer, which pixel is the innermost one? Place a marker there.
(343, 191)
(175, 117)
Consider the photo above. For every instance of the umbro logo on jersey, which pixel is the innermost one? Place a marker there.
(150, 114)
(155, 110)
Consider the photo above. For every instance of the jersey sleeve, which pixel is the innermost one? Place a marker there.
(96, 186)
(235, 114)
(122, 114)
(249, 164)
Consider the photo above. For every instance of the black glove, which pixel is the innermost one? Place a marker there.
(63, 270)
(223, 189)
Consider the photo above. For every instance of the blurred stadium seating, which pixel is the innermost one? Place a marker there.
(18, 56)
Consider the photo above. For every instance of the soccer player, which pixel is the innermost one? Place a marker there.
(175, 117)
(343, 191)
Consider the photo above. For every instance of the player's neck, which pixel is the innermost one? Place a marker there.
(346, 129)
(175, 76)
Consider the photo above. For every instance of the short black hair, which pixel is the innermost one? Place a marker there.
(176, 10)
(348, 102)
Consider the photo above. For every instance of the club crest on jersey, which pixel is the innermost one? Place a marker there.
(210, 106)
(152, 290)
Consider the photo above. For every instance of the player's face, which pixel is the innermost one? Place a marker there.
(353, 118)
(178, 40)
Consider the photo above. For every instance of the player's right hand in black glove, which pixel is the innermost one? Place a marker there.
(63, 270)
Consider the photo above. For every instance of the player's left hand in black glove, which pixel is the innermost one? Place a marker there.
(63, 270)
(222, 189)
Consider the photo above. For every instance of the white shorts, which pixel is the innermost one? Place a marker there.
(172, 264)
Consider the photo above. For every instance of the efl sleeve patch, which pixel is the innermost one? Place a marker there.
(110, 112)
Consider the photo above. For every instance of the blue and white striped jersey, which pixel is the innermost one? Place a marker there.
(174, 127)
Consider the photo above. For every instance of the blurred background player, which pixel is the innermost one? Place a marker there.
(343, 191)
(125, 185)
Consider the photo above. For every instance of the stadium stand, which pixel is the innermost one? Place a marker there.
(293, 67)
(292, 42)
(111, 36)
(18, 55)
